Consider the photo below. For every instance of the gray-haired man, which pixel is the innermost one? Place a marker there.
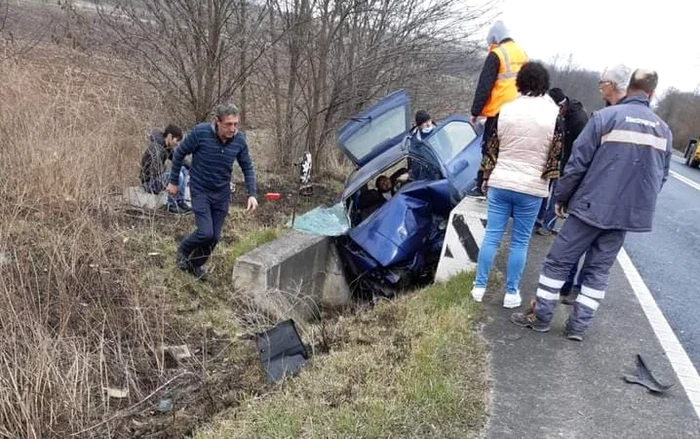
(618, 166)
(613, 87)
(613, 83)
(214, 147)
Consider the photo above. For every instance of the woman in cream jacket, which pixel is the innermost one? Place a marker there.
(522, 155)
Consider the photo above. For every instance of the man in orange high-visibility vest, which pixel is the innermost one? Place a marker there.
(496, 84)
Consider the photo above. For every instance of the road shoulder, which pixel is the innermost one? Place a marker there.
(546, 386)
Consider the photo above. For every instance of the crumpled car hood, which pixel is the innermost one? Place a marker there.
(398, 229)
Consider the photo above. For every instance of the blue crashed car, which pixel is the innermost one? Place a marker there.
(398, 244)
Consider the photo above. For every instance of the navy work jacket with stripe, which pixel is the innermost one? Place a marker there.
(619, 164)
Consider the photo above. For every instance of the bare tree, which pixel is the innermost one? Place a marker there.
(315, 61)
(243, 63)
(681, 110)
(345, 54)
(195, 52)
(577, 82)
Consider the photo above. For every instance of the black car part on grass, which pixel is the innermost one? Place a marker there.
(281, 351)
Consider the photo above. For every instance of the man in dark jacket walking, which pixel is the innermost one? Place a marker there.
(214, 147)
(618, 166)
(154, 175)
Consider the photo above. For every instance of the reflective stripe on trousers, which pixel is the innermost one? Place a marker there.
(575, 239)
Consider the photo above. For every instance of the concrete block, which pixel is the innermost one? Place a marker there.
(138, 197)
(463, 238)
(293, 276)
(336, 291)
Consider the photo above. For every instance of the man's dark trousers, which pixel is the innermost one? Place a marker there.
(576, 238)
(210, 210)
(489, 127)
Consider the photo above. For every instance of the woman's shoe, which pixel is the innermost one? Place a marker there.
(512, 300)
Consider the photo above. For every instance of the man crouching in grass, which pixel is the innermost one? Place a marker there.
(214, 147)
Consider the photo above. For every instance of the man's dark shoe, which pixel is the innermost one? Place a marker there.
(184, 265)
(574, 336)
(183, 207)
(199, 273)
(566, 289)
(571, 334)
(529, 320)
(174, 208)
(182, 262)
(476, 193)
(543, 232)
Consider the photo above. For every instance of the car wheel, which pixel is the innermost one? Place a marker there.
(686, 153)
(691, 158)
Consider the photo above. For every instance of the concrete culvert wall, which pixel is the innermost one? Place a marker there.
(293, 277)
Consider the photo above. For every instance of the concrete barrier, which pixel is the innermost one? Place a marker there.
(138, 197)
(463, 238)
(293, 277)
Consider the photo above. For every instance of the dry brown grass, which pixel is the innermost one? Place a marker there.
(83, 307)
(68, 314)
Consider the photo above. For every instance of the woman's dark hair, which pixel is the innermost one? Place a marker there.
(532, 79)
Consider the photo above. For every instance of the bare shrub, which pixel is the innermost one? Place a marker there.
(681, 110)
(73, 317)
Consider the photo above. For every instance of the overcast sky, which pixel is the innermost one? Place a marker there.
(606, 32)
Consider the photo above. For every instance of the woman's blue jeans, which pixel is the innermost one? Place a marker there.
(504, 204)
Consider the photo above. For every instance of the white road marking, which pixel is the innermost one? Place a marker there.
(685, 180)
(686, 372)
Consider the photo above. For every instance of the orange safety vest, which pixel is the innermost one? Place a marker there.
(511, 58)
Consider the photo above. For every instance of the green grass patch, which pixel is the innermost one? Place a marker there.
(411, 368)
(197, 304)
(252, 239)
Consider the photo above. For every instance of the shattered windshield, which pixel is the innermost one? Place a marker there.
(324, 221)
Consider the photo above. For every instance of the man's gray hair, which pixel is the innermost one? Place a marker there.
(226, 110)
(618, 75)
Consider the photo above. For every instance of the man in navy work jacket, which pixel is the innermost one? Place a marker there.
(618, 165)
(214, 148)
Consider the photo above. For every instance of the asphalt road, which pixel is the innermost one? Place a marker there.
(668, 258)
(545, 386)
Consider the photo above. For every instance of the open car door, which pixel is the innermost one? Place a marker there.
(457, 144)
(374, 130)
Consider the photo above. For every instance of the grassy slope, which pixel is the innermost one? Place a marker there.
(412, 367)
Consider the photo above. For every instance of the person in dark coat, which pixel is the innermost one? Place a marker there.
(154, 175)
(574, 118)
